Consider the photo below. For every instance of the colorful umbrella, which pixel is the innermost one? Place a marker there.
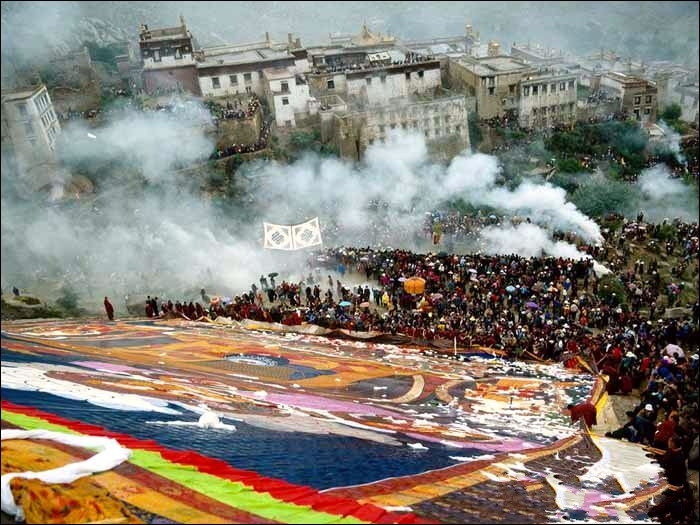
(510, 289)
(532, 305)
(414, 285)
(364, 305)
(345, 303)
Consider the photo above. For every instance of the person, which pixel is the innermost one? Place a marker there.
(585, 410)
(627, 431)
(109, 309)
(149, 309)
(677, 500)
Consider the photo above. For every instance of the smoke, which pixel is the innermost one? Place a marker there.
(147, 232)
(671, 141)
(661, 196)
(530, 240)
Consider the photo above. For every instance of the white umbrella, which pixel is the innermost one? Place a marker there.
(674, 351)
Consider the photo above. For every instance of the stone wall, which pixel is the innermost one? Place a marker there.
(235, 131)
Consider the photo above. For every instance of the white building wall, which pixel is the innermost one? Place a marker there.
(168, 61)
(554, 101)
(382, 86)
(34, 130)
(297, 97)
(228, 87)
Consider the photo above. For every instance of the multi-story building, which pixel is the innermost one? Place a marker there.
(374, 77)
(441, 119)
(493, 81)
(30, 128)
(168, 59)
(547, 98)
(287, 94)
(638, 97)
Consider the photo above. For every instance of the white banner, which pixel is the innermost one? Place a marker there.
(296, 237)
(278, 237)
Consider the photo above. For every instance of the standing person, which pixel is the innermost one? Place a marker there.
(585, 410)
(109, 309)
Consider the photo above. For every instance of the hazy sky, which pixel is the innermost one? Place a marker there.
(647, 30)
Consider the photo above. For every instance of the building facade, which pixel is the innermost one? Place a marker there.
(546, 100)
(167, 56)
(287, 96)
(441, 120)
(638, 97)
(494, 81)
(30, 128)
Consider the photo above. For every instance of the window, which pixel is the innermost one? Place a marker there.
(403, 125)
(552, 88)
(511, 89)
(535, 90)
(544, 89)
(331, 84)
(421, 74)
(23, 109)
(156, 55)
(544, 111)
(562, 86)
(285, 101)
(534, 111)
(447, 119)
(458, 128)
(647, 99)
(233, 79)
(392, 126)
(248, 89)
(637, 100)
(215, 82)
(408, 75)
(553, 109)
(636, 114)
(287, 123)
(571, 84)
(28, 129)
(436, 120)
(247, 77)
(492, 81)
(526, 91)
(178, 53)
(382, 78)
(369, 81)
(437, 132)
(647, 111)
(285, 87)
(448, 130)
(492, 91)
(426, 133)
(571, 107)
(381, 129)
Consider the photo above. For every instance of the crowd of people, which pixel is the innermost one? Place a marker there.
(541, 308)
(235, 149)
(235, 110)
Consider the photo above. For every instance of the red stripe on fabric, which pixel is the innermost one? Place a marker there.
(221, 469)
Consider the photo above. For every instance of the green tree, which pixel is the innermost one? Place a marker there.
(671, 113)
(68, 300)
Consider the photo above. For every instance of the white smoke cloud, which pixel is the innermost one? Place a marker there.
(665, 197)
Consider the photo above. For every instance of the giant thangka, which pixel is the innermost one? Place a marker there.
(296, 237)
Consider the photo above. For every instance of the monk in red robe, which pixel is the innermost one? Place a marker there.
(109, 309)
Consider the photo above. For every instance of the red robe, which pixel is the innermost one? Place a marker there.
(109, 309)
(585, 410)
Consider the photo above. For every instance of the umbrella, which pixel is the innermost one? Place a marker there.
(402, 279)
(510, 289)
(273, 274)
(436, 296)
(674, 351)
(215, 300)
(364, 305)
(532, 305)
(414, 285)
(345, 303)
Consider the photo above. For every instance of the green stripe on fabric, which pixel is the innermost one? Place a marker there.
(232, 493)
(34, 423)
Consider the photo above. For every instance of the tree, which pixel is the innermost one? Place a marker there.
(68, 300)
(671, 113)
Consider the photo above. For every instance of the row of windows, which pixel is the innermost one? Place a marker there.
(233, 79)
(42, 102)
(47, 118)
(542, 88)
(415, 124)
(438, 132)
(638, 99)
(166, 52)
(553, 109)
(414, 111)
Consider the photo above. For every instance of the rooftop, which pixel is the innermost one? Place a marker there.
(221, 56)
(21, 94)
(493, 65)
(278, 73)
